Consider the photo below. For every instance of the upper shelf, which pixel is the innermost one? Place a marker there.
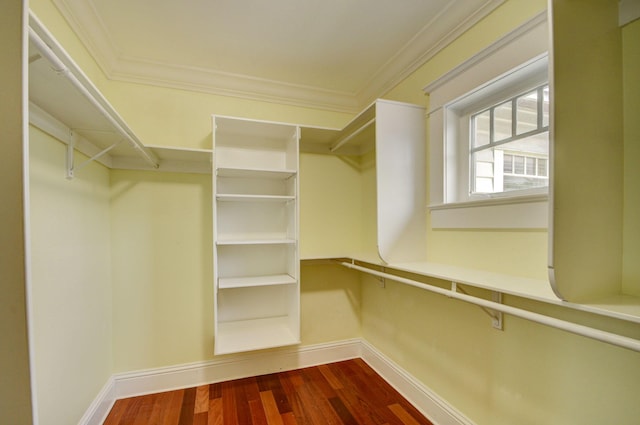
(63, 101)
(356, 138)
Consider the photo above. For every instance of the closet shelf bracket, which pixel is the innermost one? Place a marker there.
(70, 158)
(496, 297)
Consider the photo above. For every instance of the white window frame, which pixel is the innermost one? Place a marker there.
(508, 67)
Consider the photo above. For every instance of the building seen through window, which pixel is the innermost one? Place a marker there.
(509, 144)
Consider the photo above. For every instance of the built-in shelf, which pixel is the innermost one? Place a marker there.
(245, 335)
(250, 281)
(256, 173)
(253, 198)
(356, 138)
(255, 241)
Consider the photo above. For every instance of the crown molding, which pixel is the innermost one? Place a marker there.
(438, 33)
(230, 84)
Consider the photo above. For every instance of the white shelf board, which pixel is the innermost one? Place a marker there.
(170, 159)
(230, 197)
(252, 281)
(624, 307)
(255, 173)
(256, 334)
(255, 241)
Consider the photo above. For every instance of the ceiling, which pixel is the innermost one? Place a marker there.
(330, 54)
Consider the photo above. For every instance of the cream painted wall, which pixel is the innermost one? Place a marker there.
(330, 303)
(161, 248)
(15, 381)
(330, 199)
(631, 225)
(71, 282)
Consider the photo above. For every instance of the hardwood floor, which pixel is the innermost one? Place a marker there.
(347, 392)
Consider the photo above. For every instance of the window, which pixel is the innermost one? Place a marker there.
(509, 144)
(489, 163)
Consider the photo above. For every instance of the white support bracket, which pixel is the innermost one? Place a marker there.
(496, 297)
(73, 139)
(70, 160)
(496, 316)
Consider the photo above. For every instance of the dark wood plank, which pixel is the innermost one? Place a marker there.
(229, 410)
(188, 407)
(342, 393)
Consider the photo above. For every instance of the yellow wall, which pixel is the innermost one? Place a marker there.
(330, 199)
(71, 281)
(15, 387)
(161, 248)
(631, 226)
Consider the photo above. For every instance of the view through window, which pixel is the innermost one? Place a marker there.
(509, 144)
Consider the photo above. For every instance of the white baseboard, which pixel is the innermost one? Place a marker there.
(422, 397)
(101, 406)
(131, 384)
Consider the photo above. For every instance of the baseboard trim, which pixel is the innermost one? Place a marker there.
(101, 405)
(148, 381)
(422, 397)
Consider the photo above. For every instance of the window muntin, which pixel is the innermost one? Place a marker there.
(509, 144)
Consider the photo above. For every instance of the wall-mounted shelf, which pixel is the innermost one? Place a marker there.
(256, 259)
(64, 103)
(249, 281)
(355, 139)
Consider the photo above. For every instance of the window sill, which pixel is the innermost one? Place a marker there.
(519, 212)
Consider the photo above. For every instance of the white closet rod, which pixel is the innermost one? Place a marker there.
(60, 68)
(343, 141)
(608, 337)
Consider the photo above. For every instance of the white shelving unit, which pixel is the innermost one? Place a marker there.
(256, 250)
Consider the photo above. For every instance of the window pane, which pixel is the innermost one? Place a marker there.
(481, 129)
(530, 166)
(530, 163)
(527, 112)
(542, 167)
(483, 163)
(502, 121)
(545, 106)
(518, 164)
(507, 167)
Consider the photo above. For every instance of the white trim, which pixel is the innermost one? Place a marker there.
(149, 381)
(98, 410)
(509, 38)
(413, 55)
(232, 367)
(422, 397)
(510, 214)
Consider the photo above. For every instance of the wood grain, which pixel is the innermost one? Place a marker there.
(342, 393)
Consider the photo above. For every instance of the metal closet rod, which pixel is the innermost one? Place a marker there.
(60, 68)
(603, 336)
